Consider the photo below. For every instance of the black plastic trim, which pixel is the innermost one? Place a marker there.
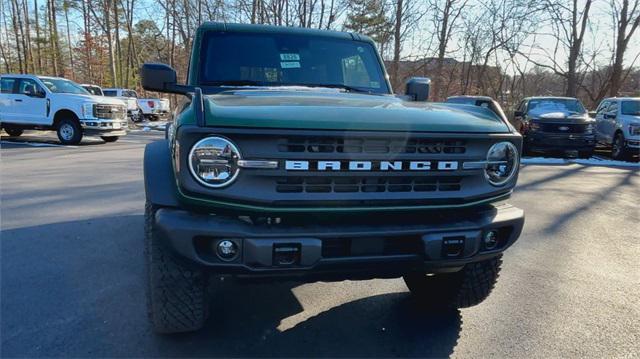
(159, 181)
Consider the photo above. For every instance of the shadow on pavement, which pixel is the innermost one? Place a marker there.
(77, 289)
(49, 140)
(245, 324)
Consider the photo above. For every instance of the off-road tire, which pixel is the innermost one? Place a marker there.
(14, 132)
(177, 299)
(463, 289)
(69, 131)
(110, 138)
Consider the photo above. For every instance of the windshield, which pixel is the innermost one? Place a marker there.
(631, 108)
(549, 105)
(63, 86)
(129, 93)
(248, 59)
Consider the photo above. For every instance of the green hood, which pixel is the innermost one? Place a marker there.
(304, 108)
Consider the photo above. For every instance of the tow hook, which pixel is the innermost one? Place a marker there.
(286, 254)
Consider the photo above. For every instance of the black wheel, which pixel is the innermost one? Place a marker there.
(69, 131)
(110, 138)
(618, 150)
(462, 289)
(14, 132)
(177, 298)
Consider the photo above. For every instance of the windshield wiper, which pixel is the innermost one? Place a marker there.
(339, 86)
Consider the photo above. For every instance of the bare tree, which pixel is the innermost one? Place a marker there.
(569, 24)
(446, 14)
(627, 20)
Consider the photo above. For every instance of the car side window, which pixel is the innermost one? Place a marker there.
(613, 108)
(28, 87)
(603, 107)
(523, 107)
(6, 84)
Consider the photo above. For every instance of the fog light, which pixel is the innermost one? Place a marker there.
(491, 239)
(227, 250)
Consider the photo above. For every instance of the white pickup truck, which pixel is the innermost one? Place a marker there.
(130, 97)
(53, 103)
(154, 109)
(151, 109)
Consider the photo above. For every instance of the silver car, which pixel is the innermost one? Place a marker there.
(618, 126)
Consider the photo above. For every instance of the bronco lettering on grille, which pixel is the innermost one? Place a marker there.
(301, 165)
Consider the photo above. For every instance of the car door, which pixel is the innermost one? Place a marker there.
(8, 104)
(32, 101)
(600, 122)
(609, 123)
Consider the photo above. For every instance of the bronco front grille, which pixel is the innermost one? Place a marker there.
(370, 145)
(354, 184)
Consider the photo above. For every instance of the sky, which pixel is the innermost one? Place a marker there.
(600, 37)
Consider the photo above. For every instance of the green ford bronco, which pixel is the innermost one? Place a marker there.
(291, 158)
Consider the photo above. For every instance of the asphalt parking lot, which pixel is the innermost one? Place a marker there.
(72, 279)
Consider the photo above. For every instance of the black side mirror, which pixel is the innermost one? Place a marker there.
(593, 114)
(517, 114)
(161, 78)
(417, 88)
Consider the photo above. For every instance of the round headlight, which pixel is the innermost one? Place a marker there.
(502, 163)
(213, 161)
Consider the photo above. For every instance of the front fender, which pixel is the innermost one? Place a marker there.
(159, 180)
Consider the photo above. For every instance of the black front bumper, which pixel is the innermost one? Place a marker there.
(344, 249)
(542, 141)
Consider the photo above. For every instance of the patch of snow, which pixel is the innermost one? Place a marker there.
(145, 128)
(593, 161)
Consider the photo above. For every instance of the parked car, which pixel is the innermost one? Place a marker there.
(130, 97)
(93, 89)
(481, 101)
(61, 105)
(334, 178)
(618, 126)
(154, 109)
(555, 124)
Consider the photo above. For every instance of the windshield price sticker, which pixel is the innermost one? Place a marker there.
(289, 57)
(290, 65)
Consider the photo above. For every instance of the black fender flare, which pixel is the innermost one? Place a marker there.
(159, 180)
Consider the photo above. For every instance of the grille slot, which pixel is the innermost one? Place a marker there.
(370, 145)
(367, 184)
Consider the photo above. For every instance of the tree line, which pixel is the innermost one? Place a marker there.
(506, 49)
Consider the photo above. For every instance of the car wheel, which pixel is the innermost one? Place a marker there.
(14, 132)
(177, 298)
(618, 150)
(69, 131)
(110, 138)
(466, 288)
